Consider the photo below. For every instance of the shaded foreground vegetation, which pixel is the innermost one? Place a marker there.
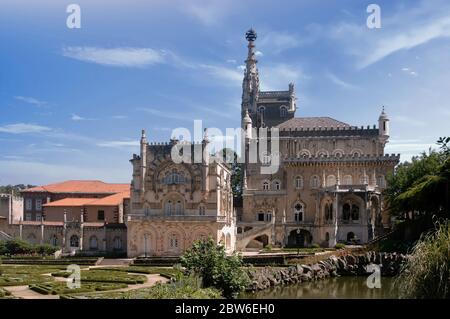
(427, 272)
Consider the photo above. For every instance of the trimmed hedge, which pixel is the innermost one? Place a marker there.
(18, 246)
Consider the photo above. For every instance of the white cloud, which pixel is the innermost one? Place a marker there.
(210, 12)
(278, 41)
(119, 117)
(408, 120)
(23, 128)
(258, 53)
(231, 61)
(165, 114)
(122, 56)
(417, 34)
(278, 76)
(30, 100)
(231, 76)
(339, 81)
(76, 117)
(119, 144)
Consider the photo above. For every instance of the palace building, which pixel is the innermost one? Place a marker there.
(326, 189)
(329, 185)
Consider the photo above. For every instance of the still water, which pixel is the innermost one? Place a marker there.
(336, 287)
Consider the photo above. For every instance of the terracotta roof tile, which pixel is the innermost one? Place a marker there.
(112, 200)
(66, 202)
(81, 186)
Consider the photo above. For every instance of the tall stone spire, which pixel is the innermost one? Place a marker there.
(250, 84)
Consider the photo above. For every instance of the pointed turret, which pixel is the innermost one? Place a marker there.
(383, 124)
(250, 84)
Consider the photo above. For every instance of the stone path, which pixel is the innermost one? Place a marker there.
(26, 293)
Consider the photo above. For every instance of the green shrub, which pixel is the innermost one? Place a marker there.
(426, 274)
(21, 247)
(315, 246)
(216, 269)
(268, 247)
(339, 246)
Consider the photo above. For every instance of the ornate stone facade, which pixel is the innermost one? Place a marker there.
(174, 204)
(328, 187)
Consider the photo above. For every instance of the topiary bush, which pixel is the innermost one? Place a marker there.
(339, 246)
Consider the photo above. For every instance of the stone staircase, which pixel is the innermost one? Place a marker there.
(4, 236)
(244, 238)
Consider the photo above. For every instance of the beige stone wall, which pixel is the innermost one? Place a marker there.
(170, 238)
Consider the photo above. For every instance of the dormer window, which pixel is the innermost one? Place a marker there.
(283, 111)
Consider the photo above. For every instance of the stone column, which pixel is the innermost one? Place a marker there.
(64, 231)
(42, 230)
(20, 228)
(81, 229)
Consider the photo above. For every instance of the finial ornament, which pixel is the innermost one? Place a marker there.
(250, 35)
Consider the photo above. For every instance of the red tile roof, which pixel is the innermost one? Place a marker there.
(66, 202)
(112, 200)
(81, 186)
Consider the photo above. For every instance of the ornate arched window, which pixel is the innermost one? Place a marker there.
(265, 185)
(283, 111)
(173, 241)
(364, 179)
(348, 180)
(93, 243)
(262, 111)
(201, 210)
(179, 208)
(298, 212)
(327, 236)
(355, 212)
(168, 208)
(331, 180)
(315, 181)
(328, 211)
(74, 241)
(174, 177)
(346, 211)
(276, 185)
(266, 158)
(381, 181)
(117, 242)
(298, 182)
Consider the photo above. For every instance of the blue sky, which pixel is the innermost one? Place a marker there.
(73, 101)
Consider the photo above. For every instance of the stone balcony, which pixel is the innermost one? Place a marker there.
(181, 218)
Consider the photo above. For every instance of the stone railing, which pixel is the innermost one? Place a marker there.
(210, 218)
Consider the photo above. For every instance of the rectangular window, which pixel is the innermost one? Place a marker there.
(28, 204)
(39, 204)
(101, 215)
(261, 217)
(269, 217)
(38, 217)
(28, 216)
